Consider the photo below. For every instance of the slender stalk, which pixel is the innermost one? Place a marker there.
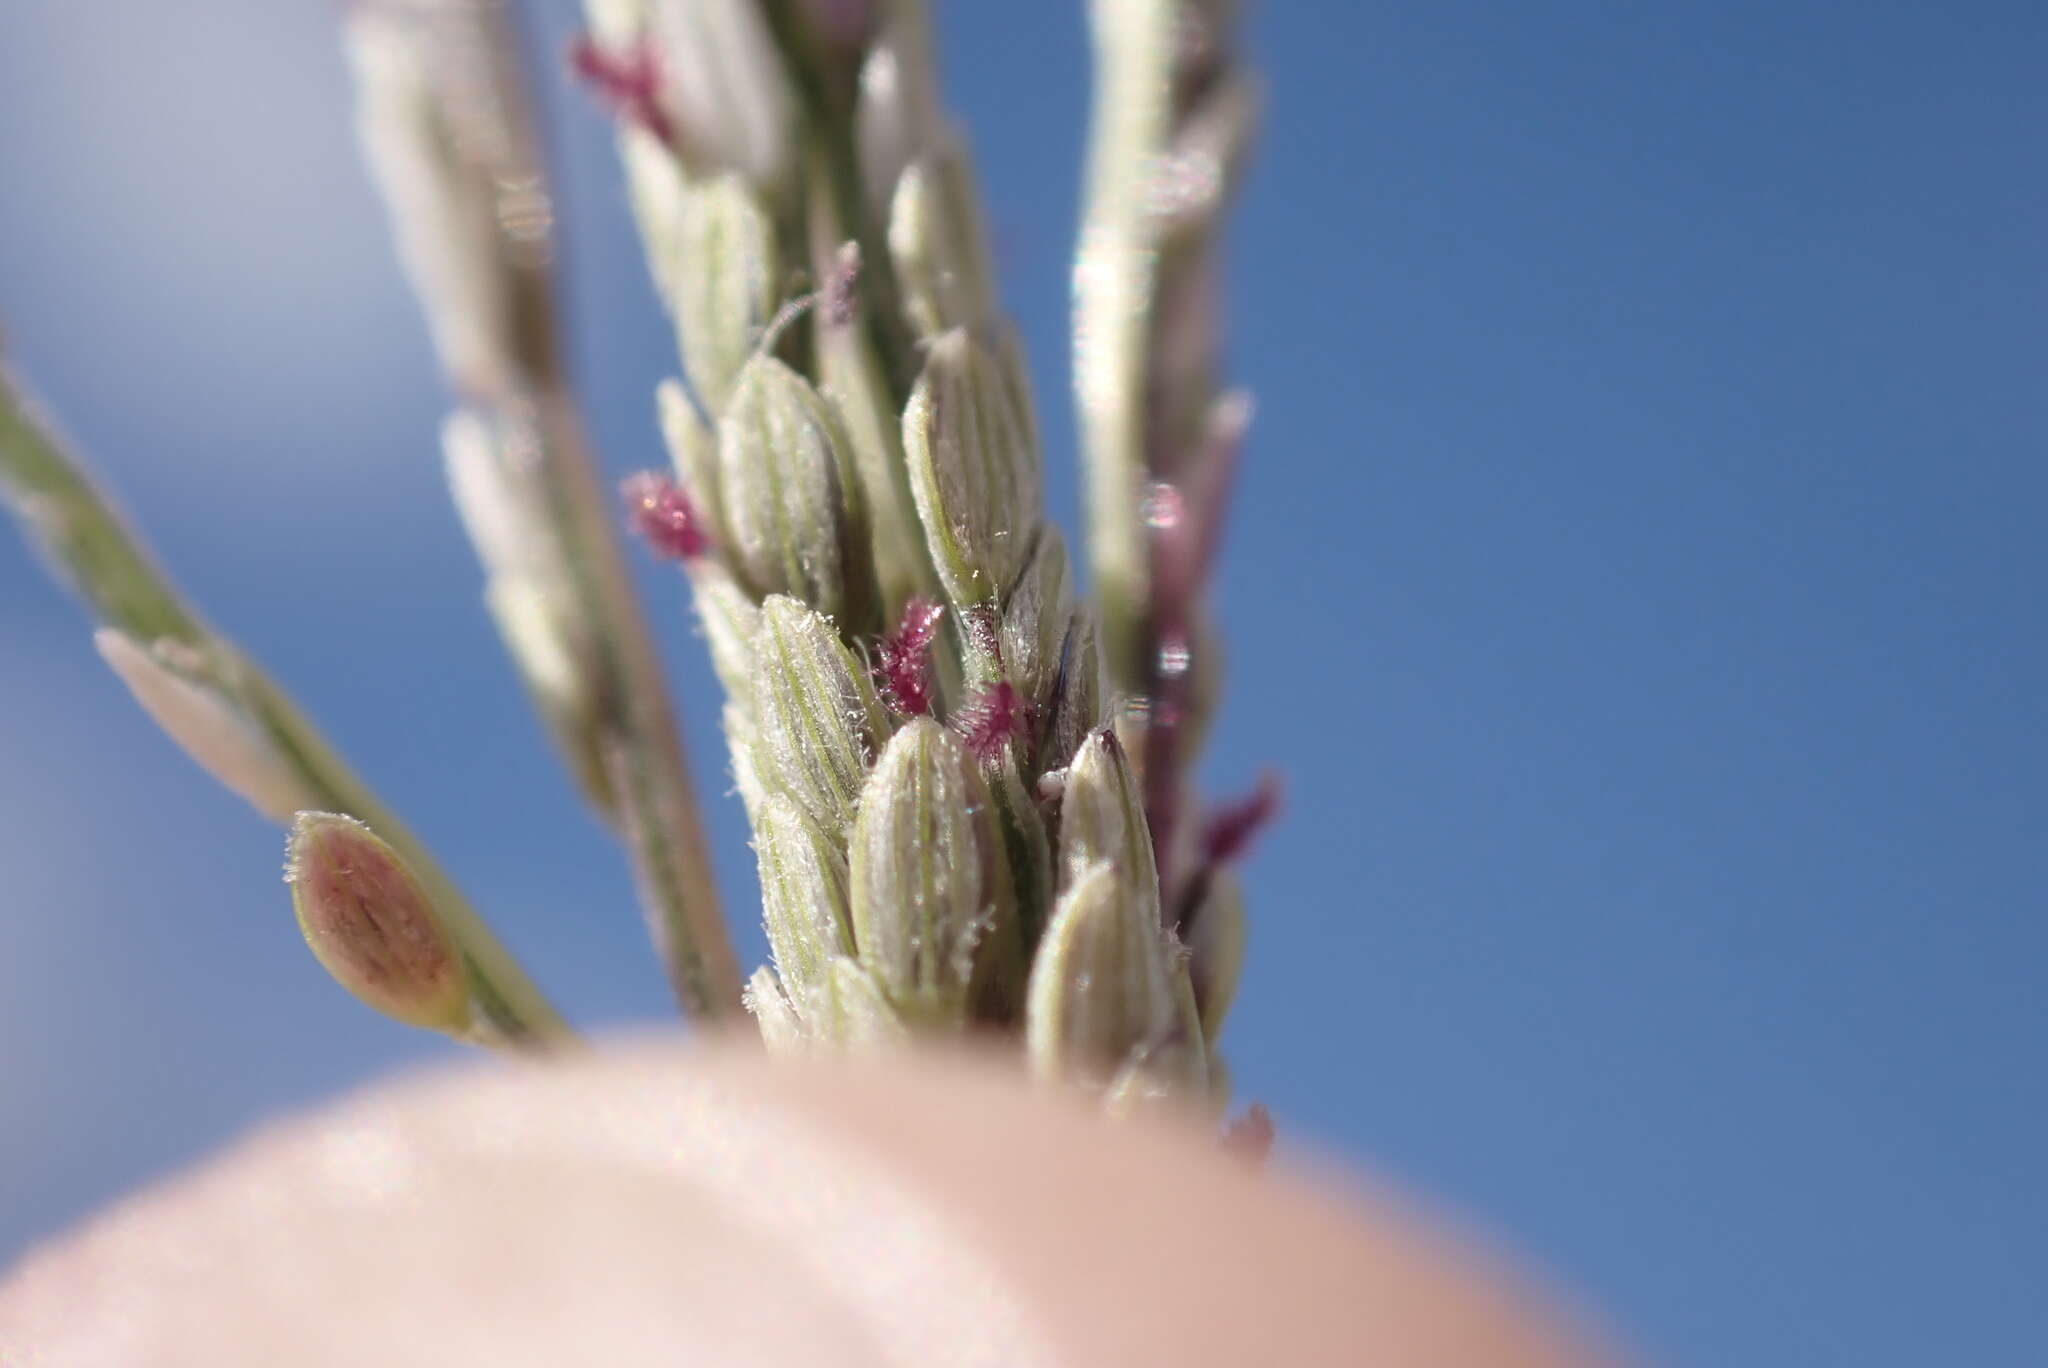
(656, 811)
(1173, 112)
(1114, 286)
(90, 545)
(446, 119)
(825, 99)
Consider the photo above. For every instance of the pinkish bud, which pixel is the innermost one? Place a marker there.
(370, 924)
(659, 510)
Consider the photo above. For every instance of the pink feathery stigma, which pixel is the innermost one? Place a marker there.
(1232, 827)
(659, 510)
(902, 658)
(627, 83)
(988, 721)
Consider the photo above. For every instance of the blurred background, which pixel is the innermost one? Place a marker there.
(1637, 574)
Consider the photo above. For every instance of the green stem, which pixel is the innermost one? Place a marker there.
(1115, 283)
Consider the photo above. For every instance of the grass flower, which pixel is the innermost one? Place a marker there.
(968, 778)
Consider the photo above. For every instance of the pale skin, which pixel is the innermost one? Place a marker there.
(663, 1203)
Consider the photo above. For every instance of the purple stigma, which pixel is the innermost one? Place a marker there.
(902, 666)
(661, 512)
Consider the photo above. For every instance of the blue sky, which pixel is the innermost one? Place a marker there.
(1637, 574)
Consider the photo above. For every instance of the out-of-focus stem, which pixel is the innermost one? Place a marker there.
(86, 542)
(825, 98)
(1172, 114)
(446, 119)
(655, 805)
(89, 545)
(1114, 285)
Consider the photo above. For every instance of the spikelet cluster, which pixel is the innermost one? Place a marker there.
(968, 781)
(950, 834)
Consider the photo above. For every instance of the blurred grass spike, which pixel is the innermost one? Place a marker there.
(1175, 108)
(443, 110)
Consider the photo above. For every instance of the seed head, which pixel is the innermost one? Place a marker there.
(725, 88)
(1076, 702)
(931, 878)
(803, 895)
(818, 721)
(792, 498)
(937, 242)
(1036, 616)
(852, 1009)
(1108, 990)
(370, 924)
(1102, 821)
(973, 467)
(725, 283)
(773, 1013)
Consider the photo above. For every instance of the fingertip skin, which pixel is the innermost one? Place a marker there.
(656, 1202)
